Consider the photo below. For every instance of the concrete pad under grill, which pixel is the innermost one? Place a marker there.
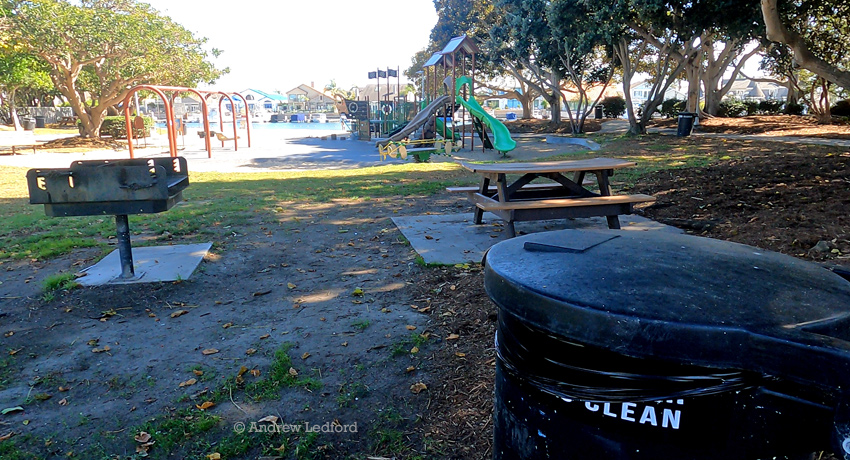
(150, 264)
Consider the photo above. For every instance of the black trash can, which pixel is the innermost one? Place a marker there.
(28, 123)
(40, 122)
(598, 112)
(686, 123)
(647, 345)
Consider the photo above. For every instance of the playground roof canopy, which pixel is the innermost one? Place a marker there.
(435, 59)
(460, 43)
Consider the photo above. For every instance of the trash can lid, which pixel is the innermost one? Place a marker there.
(685, 299)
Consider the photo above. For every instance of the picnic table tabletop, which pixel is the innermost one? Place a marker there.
(593, 164)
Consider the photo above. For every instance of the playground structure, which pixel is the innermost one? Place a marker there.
(171, 124)
(448, 86)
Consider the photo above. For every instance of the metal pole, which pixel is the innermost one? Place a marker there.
(125, 252)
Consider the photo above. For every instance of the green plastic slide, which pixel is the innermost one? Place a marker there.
(502, 140)
(449, 133)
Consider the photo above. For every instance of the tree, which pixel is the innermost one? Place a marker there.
(20, 70)
(812, 30)
(100, 48)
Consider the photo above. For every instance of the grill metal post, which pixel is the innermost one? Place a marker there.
(125, 251)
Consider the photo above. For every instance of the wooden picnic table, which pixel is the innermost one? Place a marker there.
(560, 197)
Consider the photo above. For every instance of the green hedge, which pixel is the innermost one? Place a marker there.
(671, 107)
(116, 127)
(613, 106)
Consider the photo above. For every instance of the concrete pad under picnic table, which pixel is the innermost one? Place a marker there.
(453, 239)
(151, 264)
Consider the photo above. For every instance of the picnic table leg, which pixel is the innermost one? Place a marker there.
(605, 190)
(503, 192)
(482, 189)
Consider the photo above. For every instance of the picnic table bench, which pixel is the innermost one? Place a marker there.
(18, 139)
(65, 121)
(559, 198)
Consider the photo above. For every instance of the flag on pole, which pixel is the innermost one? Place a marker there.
(382, 74)
(392, 72)
(373, 75)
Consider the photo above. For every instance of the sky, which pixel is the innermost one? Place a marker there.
(278, 45)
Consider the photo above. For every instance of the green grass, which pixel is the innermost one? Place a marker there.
(213, 202)
(402, 347)
(279, 377)
(8, 370)
(362, 324)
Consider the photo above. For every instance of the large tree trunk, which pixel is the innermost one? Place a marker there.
(776, 31)
(13, 111)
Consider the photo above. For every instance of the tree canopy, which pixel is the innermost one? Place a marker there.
(97, 49)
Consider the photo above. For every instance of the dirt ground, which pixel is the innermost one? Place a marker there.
(404, 351)
(774, 125)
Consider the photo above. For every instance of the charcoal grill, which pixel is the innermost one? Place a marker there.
(111, 187)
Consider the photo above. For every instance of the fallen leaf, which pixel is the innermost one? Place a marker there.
(345, 344)
(292, 372)
(92, 342)
(423, 309)
(225, 326)
(322, 318)
(410, 328)
(9, 334)
(179, 313)
(42, 397)
(198, 373)
(357, 292)
(429, 237)
(269, 419)
(142, 437)
(452, 337)
(410, 369)
(242, 371)
(9, 410)
(291, 286)
(63, 402)
(7, 436)
(250, 351)
(305, 355)
(15, 352)
(151, 315)
(209, 351)
(417, 388)
(460, 355)
(206, 405)
(414, 350)
(64, 389)
(101, 350)
(262, 337)
(188, 383)
(255, 372)
(214, 456)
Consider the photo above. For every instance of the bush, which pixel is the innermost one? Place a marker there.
(771, 106)
(732, 108)
(613, 106)
(793, 109)
(116, 127)
(671, 107)
(752, 107)
(841, 108)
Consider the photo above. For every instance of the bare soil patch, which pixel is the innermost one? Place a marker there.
(546, 126)
(774, 125)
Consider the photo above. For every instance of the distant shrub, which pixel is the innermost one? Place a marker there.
(671, 107)
(793, 109)
(613, 106)
(771, 106)
(732, 108)
(752, 107)
(116, 127)
(841, 108)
